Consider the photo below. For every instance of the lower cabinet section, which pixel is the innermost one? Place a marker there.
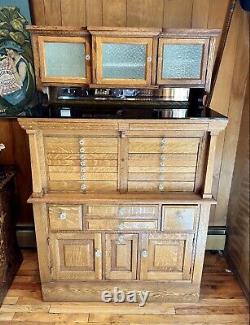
(123, 256)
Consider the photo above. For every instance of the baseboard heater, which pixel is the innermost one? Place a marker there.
(26, 237)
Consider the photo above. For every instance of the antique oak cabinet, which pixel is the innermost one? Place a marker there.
(122, 202)
(122, 189)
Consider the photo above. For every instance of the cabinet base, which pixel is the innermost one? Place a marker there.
(91, 291)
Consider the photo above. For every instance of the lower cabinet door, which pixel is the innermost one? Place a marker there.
(166, 256)
(76, 256)
(121, 256)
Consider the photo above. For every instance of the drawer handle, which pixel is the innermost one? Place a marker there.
(149, 59)
(163, 141)
(98, 253)
(161, 187)
(83, 187)
(82, 150)
(83, 163)
(81, 142)
(82, 156)
(83, 170)
(87, 57)
(144, 253)
(82, 177)
(121, 226)
(162, 164)
(62, 215)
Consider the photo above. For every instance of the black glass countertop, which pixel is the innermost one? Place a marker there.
(170, 110)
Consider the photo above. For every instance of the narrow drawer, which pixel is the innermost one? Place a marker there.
(65, 217)
(179, 218)
(123, 211)
(121, 225)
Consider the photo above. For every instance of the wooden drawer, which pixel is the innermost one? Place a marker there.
(121, 225)
(66, 217)
(157, 186)
(179, 218)
(82, 186)
(123, 211)
(163, 145)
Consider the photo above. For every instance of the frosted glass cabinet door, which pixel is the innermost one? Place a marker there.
(182, 61)
(64, 59)
(123, 61)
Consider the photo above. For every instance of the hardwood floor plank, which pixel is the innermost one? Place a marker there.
(6, 316)
(10, 300)
(215, 310)
(46, 317)
(25, 308)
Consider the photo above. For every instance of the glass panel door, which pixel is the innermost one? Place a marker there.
(182, 61)
(124, 61)
(64, 59)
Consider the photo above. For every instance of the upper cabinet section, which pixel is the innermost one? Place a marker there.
(186, 57)
(123, 57)
(61, 56)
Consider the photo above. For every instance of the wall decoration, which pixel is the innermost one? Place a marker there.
(17, 81)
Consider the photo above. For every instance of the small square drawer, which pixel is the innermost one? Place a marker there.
(121, 225)
(179, 218)
(65, 217)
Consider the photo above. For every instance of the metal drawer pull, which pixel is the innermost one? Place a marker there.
(83, 163)
(144, 253)
(162, 157)
(83, 170)
(87, 57)
(162, 164)
(82, 156)
(81, 142)
(98, 253)
(149, 59)
(62, 215)
(82, 150)
(82, 177)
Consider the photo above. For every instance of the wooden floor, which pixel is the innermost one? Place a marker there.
(222, 302)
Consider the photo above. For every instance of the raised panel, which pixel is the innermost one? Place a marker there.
(179, 218)
(166, 257)
(66, 217)
(121, 256)
(76, 256)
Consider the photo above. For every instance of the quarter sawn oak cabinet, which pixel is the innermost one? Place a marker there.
(122, 203)
(123, 57)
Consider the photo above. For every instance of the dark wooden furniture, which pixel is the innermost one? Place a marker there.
(10, 255)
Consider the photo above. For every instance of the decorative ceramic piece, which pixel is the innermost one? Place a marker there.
(17, 81)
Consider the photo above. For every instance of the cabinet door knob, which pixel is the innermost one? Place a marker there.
(87, 57)
(62, 215)
(149, 59)
(98, 253)
(144, 253)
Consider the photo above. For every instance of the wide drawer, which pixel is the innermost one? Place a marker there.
(179, 218)
(123, 211)
(121, 225)
(65, 217)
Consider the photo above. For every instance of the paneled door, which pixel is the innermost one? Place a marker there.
(121, 256)
(166, 256)
(76, 256)
(182, 61)
(123, 61)
(64, 60)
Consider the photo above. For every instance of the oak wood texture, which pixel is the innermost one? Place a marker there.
(222, 302)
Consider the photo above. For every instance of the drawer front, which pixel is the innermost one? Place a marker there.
(160, 186)
(179, 218)
(121, 225)
(82, 164)
(66, 217)
(163, 145)
(123, 211)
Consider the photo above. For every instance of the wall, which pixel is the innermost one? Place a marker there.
(180, 14)
(238, 213)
